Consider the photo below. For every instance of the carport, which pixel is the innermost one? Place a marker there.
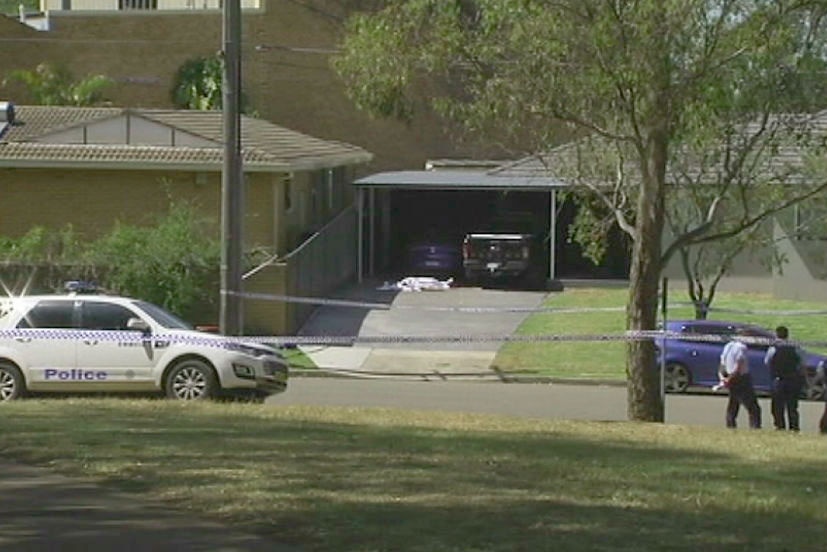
(376, 218)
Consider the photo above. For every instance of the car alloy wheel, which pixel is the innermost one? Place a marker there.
(11, 382)
(676, 378)
(191, 380)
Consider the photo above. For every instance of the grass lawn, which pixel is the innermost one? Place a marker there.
(336, 479)
(606, 360)
(10, 7)
(297, 359)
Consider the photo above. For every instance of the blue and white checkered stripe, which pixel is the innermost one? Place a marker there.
(211, 340)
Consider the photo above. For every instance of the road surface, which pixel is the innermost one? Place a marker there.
(530, 400)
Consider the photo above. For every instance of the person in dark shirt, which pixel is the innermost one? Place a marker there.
(784, 362)
(821, 376)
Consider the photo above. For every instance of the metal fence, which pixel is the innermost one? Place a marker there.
(322, 263)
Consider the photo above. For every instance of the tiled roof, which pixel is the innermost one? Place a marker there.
(34, 153)
(786, 163)
(265, 146)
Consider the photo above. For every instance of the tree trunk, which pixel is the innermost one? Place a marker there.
(643, 377)
(701, 309)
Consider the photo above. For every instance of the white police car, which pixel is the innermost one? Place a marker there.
(99, 343)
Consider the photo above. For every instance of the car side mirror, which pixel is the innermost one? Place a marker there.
(138, 325)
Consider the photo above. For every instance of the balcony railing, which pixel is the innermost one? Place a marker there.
(139, 5)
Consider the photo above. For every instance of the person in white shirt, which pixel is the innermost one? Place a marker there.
(734, 372)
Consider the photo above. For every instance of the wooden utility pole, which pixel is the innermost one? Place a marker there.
(232, 176)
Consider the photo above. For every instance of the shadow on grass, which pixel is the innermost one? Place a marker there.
(368, 483)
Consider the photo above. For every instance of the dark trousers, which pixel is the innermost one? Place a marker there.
(785, 395)
(741, 392)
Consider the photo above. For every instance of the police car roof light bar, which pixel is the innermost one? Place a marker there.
(80, 287)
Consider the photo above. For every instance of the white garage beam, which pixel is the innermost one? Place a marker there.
(552, 241)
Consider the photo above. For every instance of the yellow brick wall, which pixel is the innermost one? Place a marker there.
(142, 51)
(265, 317)
(93, 200)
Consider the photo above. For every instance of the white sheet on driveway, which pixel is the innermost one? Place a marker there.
(418, 283)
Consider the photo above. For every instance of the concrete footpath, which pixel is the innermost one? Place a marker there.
(368, 362)
(41, 510)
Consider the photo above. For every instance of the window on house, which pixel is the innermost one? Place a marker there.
(331, 190)
(137, 4)
(809, 221)
(287, 187)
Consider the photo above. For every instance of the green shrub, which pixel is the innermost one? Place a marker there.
(174, 263)
(42, 245)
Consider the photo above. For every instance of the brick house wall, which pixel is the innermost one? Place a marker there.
(137, 197)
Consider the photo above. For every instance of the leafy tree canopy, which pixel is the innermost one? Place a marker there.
(55, 85)
(198, 85)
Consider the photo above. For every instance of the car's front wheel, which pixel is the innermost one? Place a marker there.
(12, 384)
(676, 378)
(191, 380)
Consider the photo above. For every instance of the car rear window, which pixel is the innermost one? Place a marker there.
(709, 329)
(49, 314)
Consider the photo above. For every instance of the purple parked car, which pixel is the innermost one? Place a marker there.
(434, 258)
(695, 363)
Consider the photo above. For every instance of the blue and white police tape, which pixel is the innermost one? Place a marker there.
(26, 335)
(321, 301)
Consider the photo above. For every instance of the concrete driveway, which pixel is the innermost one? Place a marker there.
(423, 314)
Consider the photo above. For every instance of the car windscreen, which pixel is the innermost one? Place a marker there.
(163, 316)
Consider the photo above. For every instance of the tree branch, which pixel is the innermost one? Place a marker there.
(751, 221)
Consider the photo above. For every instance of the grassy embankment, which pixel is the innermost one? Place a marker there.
(606, 360)
(11, 7)
(336, 479)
